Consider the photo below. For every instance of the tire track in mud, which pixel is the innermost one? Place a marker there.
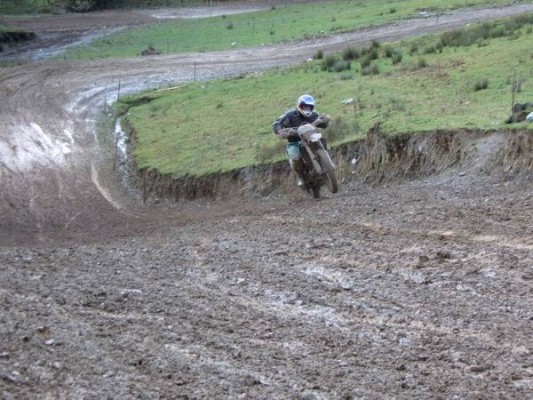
(264, 307)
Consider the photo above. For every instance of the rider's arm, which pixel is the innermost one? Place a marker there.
(280, 126)
(281, 123)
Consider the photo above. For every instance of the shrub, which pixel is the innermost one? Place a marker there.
(388, 52)
(481, 84)
(329, 62)
(342, 65)
(350, 54)
(372, 69)
(397, 57)
(394, 54)
(422, 63)
(373, 54)
(319, 55)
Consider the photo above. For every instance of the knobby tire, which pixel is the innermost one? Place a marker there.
(329, 170)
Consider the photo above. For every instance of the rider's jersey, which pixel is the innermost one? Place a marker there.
(293, 119)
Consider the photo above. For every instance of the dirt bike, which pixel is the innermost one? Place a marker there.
(319, 169)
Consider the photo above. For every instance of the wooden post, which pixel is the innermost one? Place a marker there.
(116, 154)
(144, 186)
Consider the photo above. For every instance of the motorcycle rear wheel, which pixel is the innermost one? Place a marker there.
(329, 170)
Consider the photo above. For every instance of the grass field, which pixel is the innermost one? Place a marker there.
(221, 125)
(278, 24)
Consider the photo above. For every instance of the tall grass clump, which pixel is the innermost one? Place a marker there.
(487, 30)
(342, 130)
(350, 54)
(267, 152)
(481, 84)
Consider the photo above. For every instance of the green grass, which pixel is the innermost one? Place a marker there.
(221, 125)
(280, 24)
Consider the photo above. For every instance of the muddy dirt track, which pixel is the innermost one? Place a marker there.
(413, 282)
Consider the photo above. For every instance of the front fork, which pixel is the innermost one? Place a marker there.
(310, 160)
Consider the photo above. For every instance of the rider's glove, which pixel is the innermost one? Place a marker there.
(322, 121)
(293, 134)
(283, 133)
(287, 133)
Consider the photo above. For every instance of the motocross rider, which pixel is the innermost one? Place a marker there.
(286, 126)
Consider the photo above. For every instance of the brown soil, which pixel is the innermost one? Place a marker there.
(413, 282)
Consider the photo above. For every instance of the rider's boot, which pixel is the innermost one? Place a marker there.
(298, 167)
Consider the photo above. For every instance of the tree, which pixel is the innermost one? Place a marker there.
(81, 5)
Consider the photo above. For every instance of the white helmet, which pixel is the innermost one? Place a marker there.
(305, 105)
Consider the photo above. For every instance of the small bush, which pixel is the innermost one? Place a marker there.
(150, 51)
(342, 65)
(481, 84)
(372, 69)
(394, 54)
(373, 54)
(329, 62)
(229, 25)
(397, 58)
(319, 55)
(365, 62)
(422, 63)
(350, 54)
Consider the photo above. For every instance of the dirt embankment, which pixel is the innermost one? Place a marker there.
(377, 158)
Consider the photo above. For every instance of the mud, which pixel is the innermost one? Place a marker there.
(413, 282)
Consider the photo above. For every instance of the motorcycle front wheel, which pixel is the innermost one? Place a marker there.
(329, 170)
